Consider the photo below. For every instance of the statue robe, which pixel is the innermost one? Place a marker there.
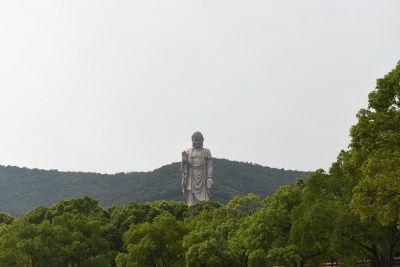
(196, 168)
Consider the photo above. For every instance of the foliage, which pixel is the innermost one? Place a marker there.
(154, 244)
(264, 236)
(208, 242)
(22, 189)
(375, 153)
(6, 218)
(70, 233)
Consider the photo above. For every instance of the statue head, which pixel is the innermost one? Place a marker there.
(197, 140)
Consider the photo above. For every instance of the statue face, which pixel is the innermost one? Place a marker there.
(197, 142)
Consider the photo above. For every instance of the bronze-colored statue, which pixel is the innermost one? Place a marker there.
(197, 171)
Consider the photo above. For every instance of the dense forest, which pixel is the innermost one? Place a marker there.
(350, 214)
(23, 189)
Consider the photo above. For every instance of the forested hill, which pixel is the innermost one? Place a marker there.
(22, 189)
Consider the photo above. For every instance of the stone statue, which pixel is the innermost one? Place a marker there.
(196, 171)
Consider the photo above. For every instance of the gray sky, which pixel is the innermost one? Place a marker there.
(115, 86)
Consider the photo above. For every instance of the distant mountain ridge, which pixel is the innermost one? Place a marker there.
(22, 189)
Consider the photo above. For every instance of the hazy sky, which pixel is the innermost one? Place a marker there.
(116, 86)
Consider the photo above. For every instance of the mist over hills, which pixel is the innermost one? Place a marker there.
(22, 189)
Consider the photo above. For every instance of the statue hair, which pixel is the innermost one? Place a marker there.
(197, 134)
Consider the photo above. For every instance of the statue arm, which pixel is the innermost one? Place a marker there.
(184, 171)
(209, 168)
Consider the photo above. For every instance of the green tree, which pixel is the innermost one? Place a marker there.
(313, 220)
(355, 238)
(264, 235)
(373, 161)
(199, 207)
(123, 217)
(85, 205)
(80, 237)
(154, 244)
(36, 215)
(6, 218)
(177, 209)
(209, 241)
(375, 153)
(25, 244)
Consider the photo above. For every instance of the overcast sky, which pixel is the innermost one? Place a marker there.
(120, 86)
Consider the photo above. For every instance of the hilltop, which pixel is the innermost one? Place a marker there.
(22, 189)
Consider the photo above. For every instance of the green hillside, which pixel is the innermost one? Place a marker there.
(22, 189)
